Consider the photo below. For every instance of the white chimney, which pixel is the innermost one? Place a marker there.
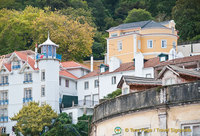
(35, 66)
(91, 63)
(114, 64)
(139, 64)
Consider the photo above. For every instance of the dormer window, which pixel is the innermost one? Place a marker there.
(16, 65)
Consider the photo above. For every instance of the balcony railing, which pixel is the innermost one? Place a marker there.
(87, 103)
(29, 81)
(2, 84)
(25, 100)
(4, 119)
(44, 56)
(16, 67)
(3, 102)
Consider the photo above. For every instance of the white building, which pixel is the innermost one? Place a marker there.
(67, 86)
(29, 76)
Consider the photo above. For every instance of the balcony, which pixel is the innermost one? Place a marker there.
(3, 84)
(25, 100)
(16, 67)
(44, 56)
(3, 102)
(87, 103)
(4, 119)
(29, 81)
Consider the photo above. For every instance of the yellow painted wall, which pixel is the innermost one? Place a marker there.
(175, 116)
(135, 120)
(126, 54)
(156, 34)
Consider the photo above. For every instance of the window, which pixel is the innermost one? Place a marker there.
(27, 95)
(59, 80)
(16, 65)
(43, 75)
(148, 75)
(119, 45)
(150, 44)
(164, 43)
(28, 77)
(4, 80)
(4, 115)
(95, 99)
(3, 97)
(139, 44)
(114, 80)
(114, 35)
(87, 100)
(86, 85)
(174, 44)
(172, 30)
(125, 91)
(3, 130)
(66, 83)
(71, 115)
(96, 83)
(193, 130)
(43, 91)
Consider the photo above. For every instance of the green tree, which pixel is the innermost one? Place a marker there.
(20, 30)
(186, 15)
(136, 15)
(32, 118)
(62, 127)
(114, 94)
(84, 124)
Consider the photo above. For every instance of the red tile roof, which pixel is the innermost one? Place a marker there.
(67, 74)
(22, 55)
(124, 67)
(72, 64)
(8, 66)
(179, 60)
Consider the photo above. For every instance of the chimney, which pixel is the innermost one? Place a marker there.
(139, 64)
(91, 63)
(35, 66)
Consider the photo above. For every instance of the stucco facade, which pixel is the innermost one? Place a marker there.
(127, 39)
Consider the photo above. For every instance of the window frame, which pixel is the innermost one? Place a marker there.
(43, 74)
(113, 80)
(67, 83)
(148, 44)
(29, 92)
(96, 83)
(86, 85)
(119, 45)
(165, 45)
(43, 93)
(191, 125)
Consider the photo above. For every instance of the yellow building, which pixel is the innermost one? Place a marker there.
(148, 37)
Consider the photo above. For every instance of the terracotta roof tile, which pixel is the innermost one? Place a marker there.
(72, 64)
(67, 74)
(124, 67)
(179, 60)
(8, 66)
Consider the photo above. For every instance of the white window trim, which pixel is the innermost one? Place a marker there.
(188, 123)
(118, 45)
(161, 43)
(148, 45)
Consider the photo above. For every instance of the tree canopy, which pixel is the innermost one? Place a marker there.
(32, 118)
(136, 15)
(62, 127)
(187, 18)
(21, 30)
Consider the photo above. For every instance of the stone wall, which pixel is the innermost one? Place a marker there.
(150, 99)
